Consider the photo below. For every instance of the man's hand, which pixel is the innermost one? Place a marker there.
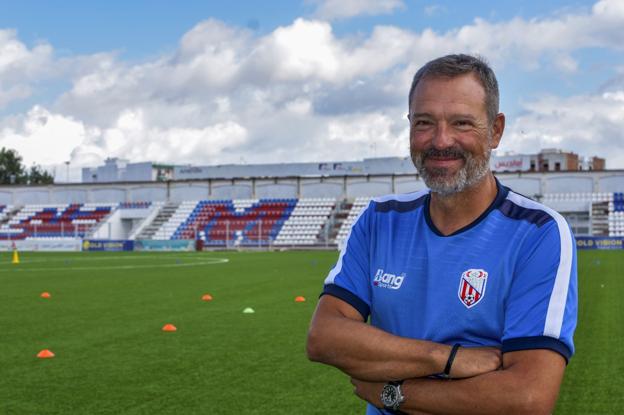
(368, 391)
(473, 361)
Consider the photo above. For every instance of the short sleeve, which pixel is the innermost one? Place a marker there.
(541, 308)
(349, 279)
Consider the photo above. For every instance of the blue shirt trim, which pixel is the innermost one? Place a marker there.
(501, 195)
(537, 342)
(534, 216)
(400, 206)
(348, 297)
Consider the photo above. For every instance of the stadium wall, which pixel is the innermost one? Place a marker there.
(351, 186)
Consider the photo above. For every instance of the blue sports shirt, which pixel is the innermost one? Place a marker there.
(506, 280)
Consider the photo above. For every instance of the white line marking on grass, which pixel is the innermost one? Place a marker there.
(207, 261)
(26, 259)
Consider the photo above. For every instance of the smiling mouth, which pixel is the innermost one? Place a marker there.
(442, 161)
(447, 153)
(443, 158)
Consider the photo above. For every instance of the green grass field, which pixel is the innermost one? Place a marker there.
(106, 312)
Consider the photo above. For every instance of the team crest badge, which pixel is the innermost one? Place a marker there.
(472, 286)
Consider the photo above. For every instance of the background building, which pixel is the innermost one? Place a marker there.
(119, 170)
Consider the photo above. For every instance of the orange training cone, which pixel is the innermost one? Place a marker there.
(45, 295)
(299, 299)
(207, 297)
(45, 354)
(169, 327)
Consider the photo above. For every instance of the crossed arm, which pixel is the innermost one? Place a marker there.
(528, 381)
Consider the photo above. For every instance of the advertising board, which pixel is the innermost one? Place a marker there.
(107, 245)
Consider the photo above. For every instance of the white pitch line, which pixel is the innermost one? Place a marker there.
(213, 261)
(26, 260)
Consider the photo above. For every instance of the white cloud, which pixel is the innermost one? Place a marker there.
(16, 59)
(304, 50)
(298, 93)
(565, 63)
(43, 137)
(366, 135)
(434, 9)
(193, 145)
(586, 124)
(343, 9)
(613, 9)
(46, 138)
(20, 67)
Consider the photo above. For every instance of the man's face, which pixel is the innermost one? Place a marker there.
(450, 136)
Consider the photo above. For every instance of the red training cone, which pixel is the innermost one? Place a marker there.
(45, 354)
(169, 327)
(45, 295)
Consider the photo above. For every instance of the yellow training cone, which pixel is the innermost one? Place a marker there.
(15, 257)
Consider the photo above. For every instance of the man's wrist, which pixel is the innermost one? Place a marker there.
(449, 362)
(439, 358)
(392, 396)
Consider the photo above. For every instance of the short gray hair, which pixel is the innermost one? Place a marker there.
(454, 65)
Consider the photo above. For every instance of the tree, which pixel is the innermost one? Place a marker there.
(37, 175)
(12, 171)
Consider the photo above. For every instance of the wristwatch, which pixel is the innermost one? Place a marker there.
(392, 396)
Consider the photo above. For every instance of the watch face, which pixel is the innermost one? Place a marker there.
(389, 395)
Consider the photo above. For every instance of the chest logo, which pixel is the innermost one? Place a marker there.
(472, 286)
(386, 280)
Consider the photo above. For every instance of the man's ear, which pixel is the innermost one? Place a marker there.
(498, 127)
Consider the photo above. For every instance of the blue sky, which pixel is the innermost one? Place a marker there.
(218, 82)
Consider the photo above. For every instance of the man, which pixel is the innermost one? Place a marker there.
(467, 280)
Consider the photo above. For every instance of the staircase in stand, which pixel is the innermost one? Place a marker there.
(163, 216)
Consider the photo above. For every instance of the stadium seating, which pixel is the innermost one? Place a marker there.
(306, 222)
(616, 215)
(260, 222)
(246, 222)
(168, 228)
(54, 221)
(577, 196)
(249, 222)
(135, 205)
(358, 205)
(5, 211)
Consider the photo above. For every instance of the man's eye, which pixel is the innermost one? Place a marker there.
(463, 123)
(422, 123)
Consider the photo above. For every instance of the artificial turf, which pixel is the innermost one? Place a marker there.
(104, 319)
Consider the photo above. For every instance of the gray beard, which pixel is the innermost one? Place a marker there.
(438, 180)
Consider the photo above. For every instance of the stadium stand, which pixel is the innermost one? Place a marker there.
(5, 210)
(598, 214)
(306, 221)
(245, 222)
(171, 219)
(54, 221)
(282, 222)
(616, 215)
(358, 205)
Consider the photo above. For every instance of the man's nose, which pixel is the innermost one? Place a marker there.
(442, 137)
